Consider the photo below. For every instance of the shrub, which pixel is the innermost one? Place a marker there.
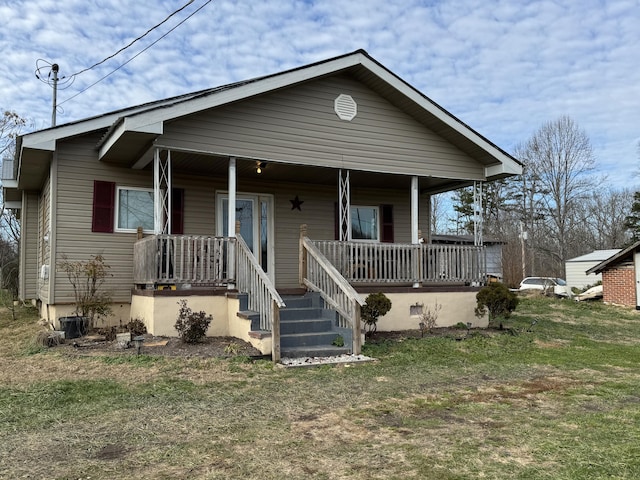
(191, 326)
(429, 318)
(87, 279)
(497, 300)
(376, 304)
(136, 327)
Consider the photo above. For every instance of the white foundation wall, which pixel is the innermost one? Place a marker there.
(456, 307)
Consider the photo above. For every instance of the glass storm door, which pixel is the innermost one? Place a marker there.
(254, 212)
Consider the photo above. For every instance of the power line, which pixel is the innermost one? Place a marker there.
(136, 55)
(134, 40)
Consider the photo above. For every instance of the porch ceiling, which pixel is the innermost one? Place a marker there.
(192, 163)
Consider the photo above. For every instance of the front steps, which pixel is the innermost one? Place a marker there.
(307, 329)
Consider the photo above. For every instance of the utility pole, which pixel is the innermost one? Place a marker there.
(54, 69)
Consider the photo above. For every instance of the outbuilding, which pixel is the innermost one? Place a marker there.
(576, 268)
(621, 277)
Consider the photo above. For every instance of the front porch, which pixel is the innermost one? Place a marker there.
(221, 274)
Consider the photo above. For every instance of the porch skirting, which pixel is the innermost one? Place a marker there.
(158, 309)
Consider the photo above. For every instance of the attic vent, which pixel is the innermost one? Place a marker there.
(345, 107)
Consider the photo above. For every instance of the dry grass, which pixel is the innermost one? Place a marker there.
(560, 402)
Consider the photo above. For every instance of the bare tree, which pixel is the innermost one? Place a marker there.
(10, 126)
(560, 158)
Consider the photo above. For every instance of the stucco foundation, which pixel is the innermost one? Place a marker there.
(456, 307)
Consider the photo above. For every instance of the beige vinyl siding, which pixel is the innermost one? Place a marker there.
(44, 251)
(299, 125)
(78, 167)
(318, 213)
(29, 271)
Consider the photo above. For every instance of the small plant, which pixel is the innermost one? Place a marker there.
(87, 279)
(496, 299)
(232, 348)
(136, 327)
(48, 339)
(376, 304)
(429, 318)
(191, 326)
(338, 341)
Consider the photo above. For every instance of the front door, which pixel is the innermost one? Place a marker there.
(255, 214)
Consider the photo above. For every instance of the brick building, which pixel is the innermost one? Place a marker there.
(621, 277)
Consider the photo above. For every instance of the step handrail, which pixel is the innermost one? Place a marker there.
(262, 296)
(318, 274)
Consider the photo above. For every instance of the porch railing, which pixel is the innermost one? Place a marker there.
(262, 295)
(396, 263)
(318, 274)
(184, 259)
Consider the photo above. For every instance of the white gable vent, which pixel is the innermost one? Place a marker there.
(345, 107)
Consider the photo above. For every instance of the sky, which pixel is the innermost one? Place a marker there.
(503, 67)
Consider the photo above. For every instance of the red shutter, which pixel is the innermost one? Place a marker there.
(387, 223)
(104, 196)
(177, 211)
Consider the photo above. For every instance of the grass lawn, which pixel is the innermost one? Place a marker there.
(561, 401)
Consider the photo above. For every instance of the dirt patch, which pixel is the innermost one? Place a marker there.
(209, 347)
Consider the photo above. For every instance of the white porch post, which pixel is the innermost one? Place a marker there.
(477, 214)
(344, 205)
(231, 224)
(161, 192)
(414, 225)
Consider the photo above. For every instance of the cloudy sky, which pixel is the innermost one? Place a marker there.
(504, 67)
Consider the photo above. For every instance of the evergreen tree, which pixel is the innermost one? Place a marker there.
(632, 222)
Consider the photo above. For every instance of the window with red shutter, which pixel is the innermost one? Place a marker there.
(103, 206)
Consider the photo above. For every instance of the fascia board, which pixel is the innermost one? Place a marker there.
(508, 167)
(437, 112)
(129, 124)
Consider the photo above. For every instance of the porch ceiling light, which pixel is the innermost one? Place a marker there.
(260, 166)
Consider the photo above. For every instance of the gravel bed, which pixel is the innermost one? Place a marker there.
(312, 361)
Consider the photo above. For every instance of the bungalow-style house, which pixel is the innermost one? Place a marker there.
(621, 277)
(312, 182)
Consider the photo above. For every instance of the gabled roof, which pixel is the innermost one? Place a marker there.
(622, 256)
(596, 256)
(143, 123)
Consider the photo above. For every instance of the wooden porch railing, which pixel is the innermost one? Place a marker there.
(262, 295)
(184, 259)
(318, 274)
(396, 263)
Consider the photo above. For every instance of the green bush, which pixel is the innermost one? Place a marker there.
(376, 304)
(497, 300)
(191, 326)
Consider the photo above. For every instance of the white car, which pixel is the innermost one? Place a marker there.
(547, 284)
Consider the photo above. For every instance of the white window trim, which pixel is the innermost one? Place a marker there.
(378, 226)
(117, 209)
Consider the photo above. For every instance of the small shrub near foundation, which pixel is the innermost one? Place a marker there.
(191, 326)
(136, 327)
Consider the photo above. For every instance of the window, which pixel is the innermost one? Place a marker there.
(134, 208)
(365, 223)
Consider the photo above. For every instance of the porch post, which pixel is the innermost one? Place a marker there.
(231, 224)
(344, 205)
(161, 191)
(477, 214)
(414, 229)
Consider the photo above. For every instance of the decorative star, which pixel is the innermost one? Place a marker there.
(296, 203)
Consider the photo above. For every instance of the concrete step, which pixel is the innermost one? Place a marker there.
(307, 339)
(308, 325)
(314, 351)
